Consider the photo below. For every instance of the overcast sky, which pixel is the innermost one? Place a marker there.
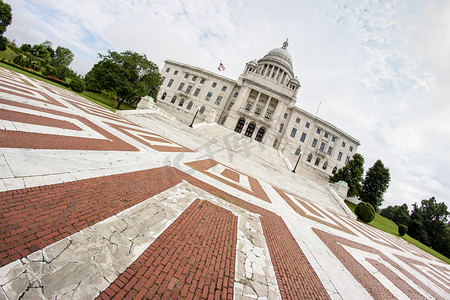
(380, 68)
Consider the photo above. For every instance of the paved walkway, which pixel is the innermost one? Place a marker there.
(96, 205)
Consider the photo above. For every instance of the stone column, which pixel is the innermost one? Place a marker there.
(242, 97)
(266, 106)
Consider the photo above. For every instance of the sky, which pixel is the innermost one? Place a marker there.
(380, 70)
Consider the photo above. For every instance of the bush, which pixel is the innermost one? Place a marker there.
(78, 85)
(402, 229)
(365, 212)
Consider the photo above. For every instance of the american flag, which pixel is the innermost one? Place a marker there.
(221, 67)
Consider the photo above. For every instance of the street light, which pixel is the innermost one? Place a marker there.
(194, 117)
(299, 156)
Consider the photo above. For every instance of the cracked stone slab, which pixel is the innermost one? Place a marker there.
(85, 263)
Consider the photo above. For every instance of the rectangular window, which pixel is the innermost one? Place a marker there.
(202, 81)
(230, 105)
(189, 88)
(347, 159)
(163, 79)
(223, 120)
(333, 139)
(307, 125)
(175, 73)
(214, 84)
(351, 148)
(186, 75)
(194, 78)
(325, 135)
(343, 144)
(235, 94)
(293, 132)
(339, 156)
(167, 70)
(318, 131)
(330, 149)
(285, 116)
(297, 120)
(219, 98)
(181, 86)
(248, 106)
(322, 146)
(208, 96)
(314, 143)
(197, 91)
(170, 83)
(258, 111)
(281, 127)
(224, 88)
(303, 137)
(268, 115)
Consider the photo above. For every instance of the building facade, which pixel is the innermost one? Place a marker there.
(260, 105)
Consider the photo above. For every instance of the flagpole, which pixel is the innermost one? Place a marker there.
(318, 108)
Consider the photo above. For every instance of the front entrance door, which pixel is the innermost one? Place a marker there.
(250, 129)
(260, 134)
(240, 124)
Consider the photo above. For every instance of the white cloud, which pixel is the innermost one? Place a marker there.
(380, 68)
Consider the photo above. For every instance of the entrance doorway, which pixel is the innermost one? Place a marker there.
(240, 124)
(250, 129)
(260, 134)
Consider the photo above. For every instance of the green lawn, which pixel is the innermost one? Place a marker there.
(390, 227)
(91, 96)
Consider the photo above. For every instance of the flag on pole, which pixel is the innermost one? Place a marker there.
(221, 67)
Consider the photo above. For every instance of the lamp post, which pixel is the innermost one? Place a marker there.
(195, 116)
(299, 156)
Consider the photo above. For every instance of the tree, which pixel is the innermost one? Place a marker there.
(5, 16)
(398, 214)
(5, 20)
(375, 184)
(429, 225)
(129, 74)
(63, 57)
(365, 212)
(355, 171)
(25, 48)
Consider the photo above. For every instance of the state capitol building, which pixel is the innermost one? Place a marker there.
(260, 105)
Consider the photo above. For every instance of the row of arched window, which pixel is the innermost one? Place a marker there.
(181, 103)
(317, 161)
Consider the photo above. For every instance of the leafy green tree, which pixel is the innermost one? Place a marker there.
(429, 225)
(5, 16)
(355, 171)
(25, 48)
(375, 184)
(129, 74)
(5, 20)
(398, 214)
(63, 57)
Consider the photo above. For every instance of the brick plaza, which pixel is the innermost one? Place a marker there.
(99, 205)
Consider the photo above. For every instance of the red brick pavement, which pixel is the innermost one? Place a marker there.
(18, 139)
(374, 287)
(194, 258)
(14, 116)
(33, 218)
(314, 211)
(256, 188)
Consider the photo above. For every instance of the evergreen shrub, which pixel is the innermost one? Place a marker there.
(78, 85)
(402, 229)
(365, 212)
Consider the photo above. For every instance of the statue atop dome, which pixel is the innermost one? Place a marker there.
(285, 44)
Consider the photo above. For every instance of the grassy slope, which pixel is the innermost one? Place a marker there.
(91, 96)
(390, 227)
